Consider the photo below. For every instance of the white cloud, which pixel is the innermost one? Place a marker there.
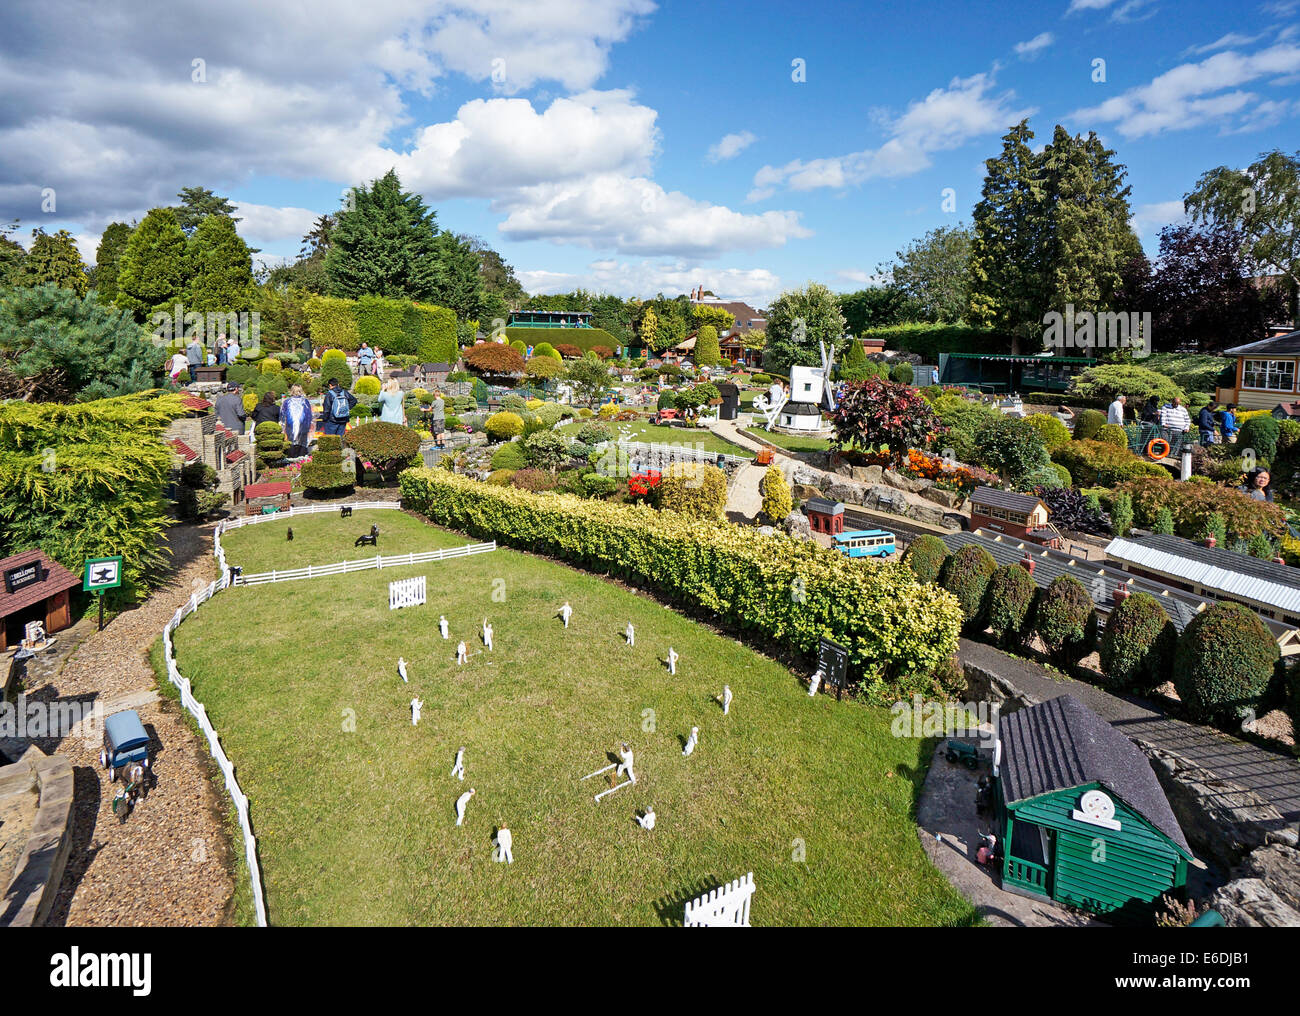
(1194, 94)
(1125, 12)
(755, 286)
(1030, 49)
(635, 215)
(1148, 220)
(862, 279)
(261, 224)
(730, 146)
(945, 119)
(1089, 5)
(1228, 41)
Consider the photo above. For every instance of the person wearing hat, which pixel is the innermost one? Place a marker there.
(337, 408)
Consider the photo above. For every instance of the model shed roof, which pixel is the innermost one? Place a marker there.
(1288, 345)
(1061, 743)
(1226, 571)
(1005, 499)
(56, 580)
(820, 504)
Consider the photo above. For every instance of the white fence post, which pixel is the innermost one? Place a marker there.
(727, 907)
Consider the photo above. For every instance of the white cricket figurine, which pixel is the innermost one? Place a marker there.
(442, 625)
(487, 637)
(691, 742)
(458, 770)
(461, 654)
(460, 804)
(566, 612)
(625, 766)
(416, 706)
(647, 821)
(815, 683)
(672, 660)
(401, 669)
(505, 843)
(630, 634)
(726, 699)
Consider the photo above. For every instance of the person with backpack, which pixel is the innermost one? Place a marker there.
(337, 408)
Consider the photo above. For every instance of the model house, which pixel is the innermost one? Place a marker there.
(1019, 515)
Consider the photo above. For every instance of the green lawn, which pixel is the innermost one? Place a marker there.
(792, 442)
(700, 438)
(353, 807)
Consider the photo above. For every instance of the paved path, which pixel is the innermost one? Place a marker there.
(1274, 776)
(744, 502)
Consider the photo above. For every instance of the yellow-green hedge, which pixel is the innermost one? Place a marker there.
(791, 591)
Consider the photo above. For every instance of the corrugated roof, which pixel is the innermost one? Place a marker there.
(1005, 499)
(1061, 743)
(1225, 571)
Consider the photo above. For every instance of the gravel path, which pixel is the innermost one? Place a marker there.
(170, 862)
(744, 501)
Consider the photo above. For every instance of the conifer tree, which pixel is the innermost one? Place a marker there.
(54, 258)
(385, 244)
(219, 267)
(151, 273)
(108, 260)
(707, 351)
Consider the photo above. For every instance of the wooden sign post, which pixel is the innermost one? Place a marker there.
(101, 575)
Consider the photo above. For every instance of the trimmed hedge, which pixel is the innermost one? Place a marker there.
(1051, 430)
(929, 340)
(1224, 662)
(325, 470)
(1009, 603)
(379, 322)
(581, 338)
(1113, 434)
(966, 575)
(925, 557)
(1088, 424)
(1137, 645)
(1066, 620)
(504, 425)
(1260, 433)
(331, 322)
(509, 456)
(790, 591)
(1099, 464)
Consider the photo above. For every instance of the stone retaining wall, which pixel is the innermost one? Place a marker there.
(30, 893)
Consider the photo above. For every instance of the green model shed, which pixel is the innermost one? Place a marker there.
(1084, 819)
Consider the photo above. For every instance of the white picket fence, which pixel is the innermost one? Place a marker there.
(406, 593)
(727, 907)
(214, 741)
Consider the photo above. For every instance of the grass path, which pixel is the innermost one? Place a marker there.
(354, 806)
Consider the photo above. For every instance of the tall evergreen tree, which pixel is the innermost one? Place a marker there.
(1007, 284)
(386, 244)
(54, 258)
(798, 323)
(219, 268)
(12, 254)
(707, 353)
(459, 287)
(151, 272)
(197, 203)
(108, 260)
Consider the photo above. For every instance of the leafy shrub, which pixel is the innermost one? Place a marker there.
(324, 473)
(331, 322)
(1191, 505)
(509, 456)
(494, 358)
(1066, 620)
(963, 418)
(1051, 431)
(925, 556)
(966, 575)
(1088, 424)
(367, 385)
(388, 447)
(1009, 602)
(777, 503)
(534, 480)
(500, 477)
(760, 379)
(666, 400)
(902, 373)
(1011, 447)
(504, 425)
(379, 322)
(595, 485)
(695, 490)
(876, 413)
(250, 400)
(1106, 381)
(546, 449)
(1071, 509)
(568, 351)
(1224, 662)
(1288, 436)
(270, 366)
(1163, 523)
(1137, 644)
(581, 339)
(896, 631)
(1114, 434)
(1098, 464)
(1260, 433)
(337, 369)
(594, 433)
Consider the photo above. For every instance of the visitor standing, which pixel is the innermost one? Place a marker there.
(230, 410)
(1174, 418)
(176, 366)
(266, 410)
(295, 421)
(337, 408)
(391, 403)
(1228, 423)
(1205, 423)
(232, 351)
(221, 351)
(438, 421)
(365, 357)
(1115, 412)
(1151, 411)
(194, 354)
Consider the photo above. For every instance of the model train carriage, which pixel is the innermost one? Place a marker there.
(125, 742)
(866, 543)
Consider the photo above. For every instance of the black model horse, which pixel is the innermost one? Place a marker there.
(345, 512)
(372, 540)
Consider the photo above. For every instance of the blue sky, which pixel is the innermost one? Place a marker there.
(626, 145)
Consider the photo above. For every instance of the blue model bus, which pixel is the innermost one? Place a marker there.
(866, 543)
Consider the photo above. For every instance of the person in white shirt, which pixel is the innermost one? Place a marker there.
(647, 821)
(625, 766)
(1115, 413)
(460, 805)
(691, 742)
(631, 634)
(566, 612)
(458, 770)
(505, 844)
(1174, 417)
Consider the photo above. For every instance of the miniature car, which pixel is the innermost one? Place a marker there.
(125, 742)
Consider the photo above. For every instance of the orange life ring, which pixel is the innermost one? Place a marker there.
(1151, 448)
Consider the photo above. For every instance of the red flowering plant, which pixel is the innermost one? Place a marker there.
(644, 486)
(880, 414)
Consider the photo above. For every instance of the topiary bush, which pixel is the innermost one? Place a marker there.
(1224, 662)
(926, 556)
(509, 456)
(695, 490)
(1137, 644)
(902, 373)
(966, 575)
(777, 502)
(388, 447)
(1011, 447)
(1260, 433)
(270, 444)
(1065, 618)
(338, 369)
(1088, 424)
(367, 385)
(324, 473)
(595, 432)
(1051, 430)
(666, 400)
(504, 425)
(546, 449)
(1114, 434)
(1009, 604)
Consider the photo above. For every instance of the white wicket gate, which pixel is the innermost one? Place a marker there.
(727, 907)
(406, 592)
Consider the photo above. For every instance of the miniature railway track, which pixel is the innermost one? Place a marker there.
(855, 518)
